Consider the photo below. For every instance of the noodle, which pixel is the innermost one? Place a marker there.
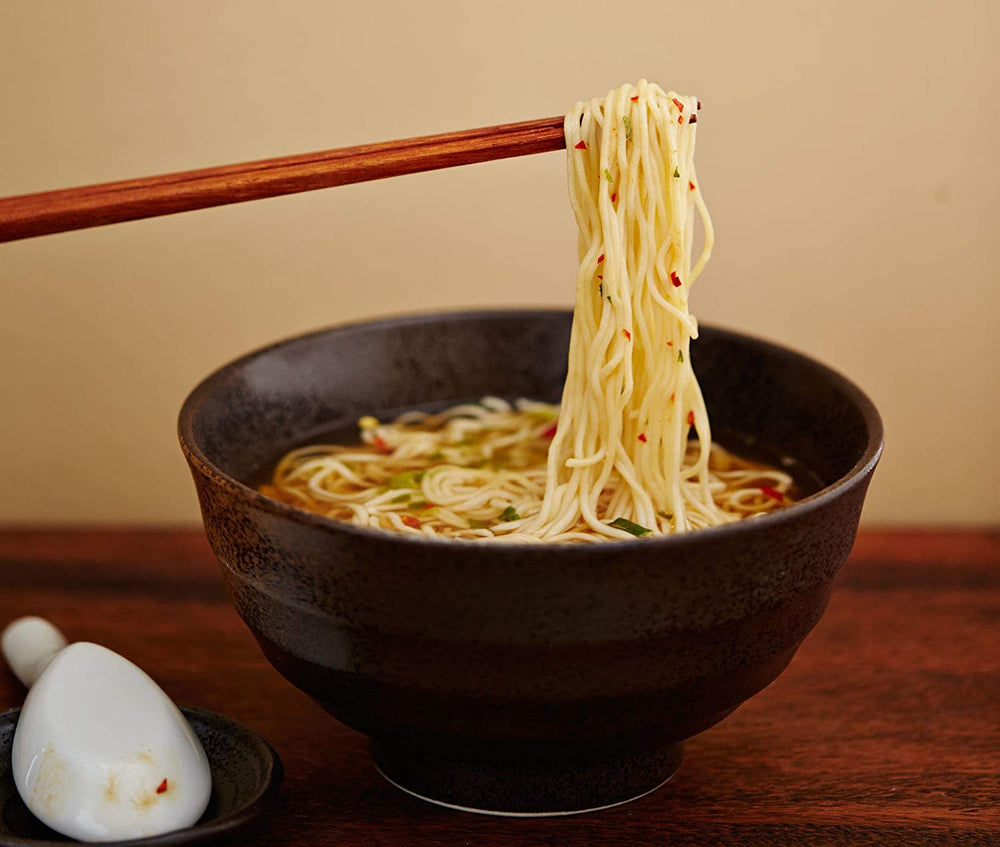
(619, 462)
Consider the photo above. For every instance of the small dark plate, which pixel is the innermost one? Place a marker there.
(245, 773)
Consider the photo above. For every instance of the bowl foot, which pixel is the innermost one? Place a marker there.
(525, 790)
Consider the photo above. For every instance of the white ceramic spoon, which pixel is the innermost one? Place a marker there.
(100, 752)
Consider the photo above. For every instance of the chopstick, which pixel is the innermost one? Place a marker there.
(29, 215)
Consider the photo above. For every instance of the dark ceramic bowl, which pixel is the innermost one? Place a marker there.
(523, 679)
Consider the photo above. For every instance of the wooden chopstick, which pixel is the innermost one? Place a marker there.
(28, 215)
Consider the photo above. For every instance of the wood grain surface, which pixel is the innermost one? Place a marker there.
(29, 215)
(885, 728)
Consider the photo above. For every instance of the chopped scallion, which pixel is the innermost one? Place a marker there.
(406, 479)
(403, 480)
(630, 527)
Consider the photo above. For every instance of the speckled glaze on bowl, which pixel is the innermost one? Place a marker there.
(521, 679)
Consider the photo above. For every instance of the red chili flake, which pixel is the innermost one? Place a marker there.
(614, 196)
(693, 119)
(411, 521)
(549, 431)
(678, 104)
(676, 280)
(627, 334)
(161, 787)
(691, 418)
(691, 185)
(600, 258)
(680, 119)
(381, 446)
(635, 99)
(642, 437)
(699, 105)
(600, 277)
(673, 397)
(670, 344)
(773, 493)
(580, 145)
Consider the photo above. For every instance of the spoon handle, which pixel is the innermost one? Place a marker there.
(29, 644)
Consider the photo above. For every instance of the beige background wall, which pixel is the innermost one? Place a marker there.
(848, 151)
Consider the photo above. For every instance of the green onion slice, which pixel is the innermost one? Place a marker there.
(630, 527)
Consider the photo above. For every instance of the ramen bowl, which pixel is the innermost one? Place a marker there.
(521, 678)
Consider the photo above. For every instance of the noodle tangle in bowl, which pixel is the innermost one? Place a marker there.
(477, 471)
(616, 459)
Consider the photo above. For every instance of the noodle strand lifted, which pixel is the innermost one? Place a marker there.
(630, 396)
(616, 459)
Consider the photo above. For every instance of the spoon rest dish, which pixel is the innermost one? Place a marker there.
(246, 772)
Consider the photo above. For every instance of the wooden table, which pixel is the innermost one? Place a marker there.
(883, 730)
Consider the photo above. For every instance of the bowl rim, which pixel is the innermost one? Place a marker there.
(860, 471)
